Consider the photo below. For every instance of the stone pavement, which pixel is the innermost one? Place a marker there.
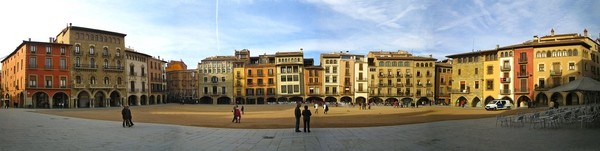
(23, 130)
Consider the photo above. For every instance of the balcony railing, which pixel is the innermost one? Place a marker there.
(239, 77)
(504, 80)
(428, 75)
(85, 66)
(399, 85)
(381, 75)
(134, 90)
(314, 83)
(555, 72)
(114, 68)
(408, 75)
(399, 75)
(361, 79)
(522, 90)
(408, 85)
(429, 85)
(419, 85)
(522, 74)
(505, 68)
(523, 60)
(460, 90)
(505, 91)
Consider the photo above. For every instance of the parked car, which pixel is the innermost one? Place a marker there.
(499, 105)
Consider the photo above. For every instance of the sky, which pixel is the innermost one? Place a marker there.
(191, 30)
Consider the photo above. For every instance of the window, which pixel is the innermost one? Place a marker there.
(63, 63)
(334, 79)
(32, 81)
(541, 67)
(105, 52)
(283, 89)
(48, 64)
(62, 50)
(119, 81)
(118, 53)
(33, 48)
(270, 72)
(92, 50)
(296, 88)
(78, 79)
(48, 50)
(476, 70)
(223, 79)
(93, 80)
(476, 84)
(63, 82)
(542, 83)
(458, 71)
(32, 62)
(106, 81)
(249, 73)
(271, 81)
(571, 65)
(334, 69)
(77, 49)
(48, 81)
(490, 69)
(571, 79)
(223, 90)
(92, 63)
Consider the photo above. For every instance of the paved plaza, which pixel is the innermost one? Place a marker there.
(24, 130)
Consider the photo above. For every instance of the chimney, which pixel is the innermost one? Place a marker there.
(430, 56)
(29, 39)
(497, 46)
(535, 38)
(585, 33)
(552, 32)
(50, 40)
(70, 24)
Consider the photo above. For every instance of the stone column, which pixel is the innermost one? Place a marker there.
(91, 102)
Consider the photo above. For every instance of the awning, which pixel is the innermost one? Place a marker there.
(581, 84)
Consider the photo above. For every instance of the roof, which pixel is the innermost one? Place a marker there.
(441, 64)
(407, 58)
(136, 52)
(479, 52)
(287, 54)
(337, 55)
(314, 67)
(30, 42)
(547, 44)
(581, 84)
(220, 58)
(92, 30)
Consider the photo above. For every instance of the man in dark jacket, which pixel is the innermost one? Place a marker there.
(298, 114)
(126, 116)
(306, 114)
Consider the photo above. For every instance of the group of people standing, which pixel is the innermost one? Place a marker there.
(325, 108)
(126, 116)
(306, 114)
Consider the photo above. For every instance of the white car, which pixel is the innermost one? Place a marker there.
(498, 105)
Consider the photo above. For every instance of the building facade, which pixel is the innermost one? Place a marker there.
(91, 48)
(216, 79)
(137, 77)
(361, 82)
(443, 82)
(400, 77)
(181, 83)
(289, 72)
(156, 72)
(37, 75)
(313, 76)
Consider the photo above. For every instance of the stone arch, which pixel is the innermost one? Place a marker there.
(488, 99)
(60, 100)
(476, 102)
(260, 100)
(240, 100)
(132, 100)
(360, 99)
(461, 99)
(556, 97)
(330, 99)
(206, 100)
(271, 100)
(314, 99)
(406, 101)
(144, 100)
(509, 99)
(282, 99)
(40, 100)
(152, 99)
(99, 99)
(346, 99)
(391, 101)
(224, 100)
(572, 98)
(375, 100)
(115, 99)
(296, 99)
(159, 99)
(83, 99)
(541, 98)
(423, 101)
(523, 101)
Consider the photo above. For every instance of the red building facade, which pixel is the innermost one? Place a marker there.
(523, 76)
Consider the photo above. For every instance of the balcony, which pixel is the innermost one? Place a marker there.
(239, 77)
(348, 84)
(105, 55)
(523, 60)
(399, 75)
(133, 90)
(504, 80)
(85, 66)
(419, 85)
(91, 55)
(113, 68)
(542, 88)
(408, 85)
(106, 86)
(505, 91)
(381, 75)
(460, 91)
(361, 79)
(347, 93)
(428, 85)
(250, 75)
(555, 72)
(419, 76)
(408, 75)
(522, 74)
(399, 85)
(505, 68)
(314, 83)
(522, 90)
(250, 84)
(260, 75)
(390, 75)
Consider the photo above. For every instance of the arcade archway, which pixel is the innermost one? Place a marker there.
(60, 100)
(41, 100)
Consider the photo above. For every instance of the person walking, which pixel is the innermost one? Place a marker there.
(126, 113)
(233, 111)
(237, 115)
(325, 108)
(306, 114)
(242, 109)
(316, 108)
(298, 114)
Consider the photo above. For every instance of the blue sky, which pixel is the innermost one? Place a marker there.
(187, 29)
